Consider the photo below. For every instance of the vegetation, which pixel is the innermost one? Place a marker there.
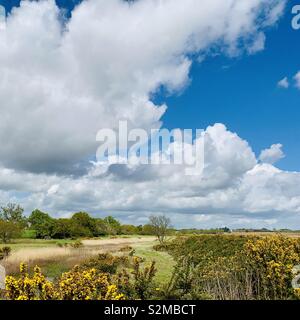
(234, 267)
(13, 213)
(4, 252)
(160, 226)
(40, 225)
(245, 268)
(12, 222)
(8, 231)
(124, 264)
(83, 284)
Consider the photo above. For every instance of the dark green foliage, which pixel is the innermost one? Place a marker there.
(101, 227)
(9, 230)
(83, 225)
(113, 225)
(146, 229)
(106, 263)
(203, 246)
(129, 229)
(42, 223)
(42, 226)
(63, 229)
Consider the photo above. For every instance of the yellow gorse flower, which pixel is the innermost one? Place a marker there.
(73, 285)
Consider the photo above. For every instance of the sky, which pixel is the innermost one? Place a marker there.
(70, 68)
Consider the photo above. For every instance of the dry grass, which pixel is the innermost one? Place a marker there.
(65, 258)
(116, 241)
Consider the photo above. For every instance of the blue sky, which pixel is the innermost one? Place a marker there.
(61, 85)
(243, 94)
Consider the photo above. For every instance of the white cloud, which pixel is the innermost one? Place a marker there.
(234, 188)
(272, 155)
(283, 83)
(297, 80)
(258, 44)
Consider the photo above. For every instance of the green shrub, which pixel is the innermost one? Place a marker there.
(106, 263)
(77, 244)
(125, 249)
(139, 284)
(161, 247)
(261, 268)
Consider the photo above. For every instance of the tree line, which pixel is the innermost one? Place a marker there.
(40, 225)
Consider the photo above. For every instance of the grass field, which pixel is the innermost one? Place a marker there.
(164, 262)
(57, 256)
(54, 259)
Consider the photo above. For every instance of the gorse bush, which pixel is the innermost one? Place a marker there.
(25, 287)
(87, 285)
(106, 262)
(83, 283)
(73, 285)
(201, 248)
(271, 261)
(260, 269)
(139, 284)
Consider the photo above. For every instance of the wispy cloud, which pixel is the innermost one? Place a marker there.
(283, 83)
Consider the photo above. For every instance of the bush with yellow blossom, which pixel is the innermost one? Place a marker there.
(261, 269)
(73, 285)
(271, 261)
(25, 287)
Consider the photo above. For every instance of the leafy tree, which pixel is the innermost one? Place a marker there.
(9, 230)
(160, 225)
(83, 225)
(129, 229)
(101, 227)
(147, 229)
(12, 212)
(113, 225)
(42, 223)
(63, 229)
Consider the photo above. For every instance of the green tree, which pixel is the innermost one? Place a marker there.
(13, 212)
(101, 227)
(9, 230)
(129, 229)
(83, 225)
(147, 229)
(63, 229)
(113, 225)
(42, 223)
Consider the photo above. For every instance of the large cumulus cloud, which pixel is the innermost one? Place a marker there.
(61, 81)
